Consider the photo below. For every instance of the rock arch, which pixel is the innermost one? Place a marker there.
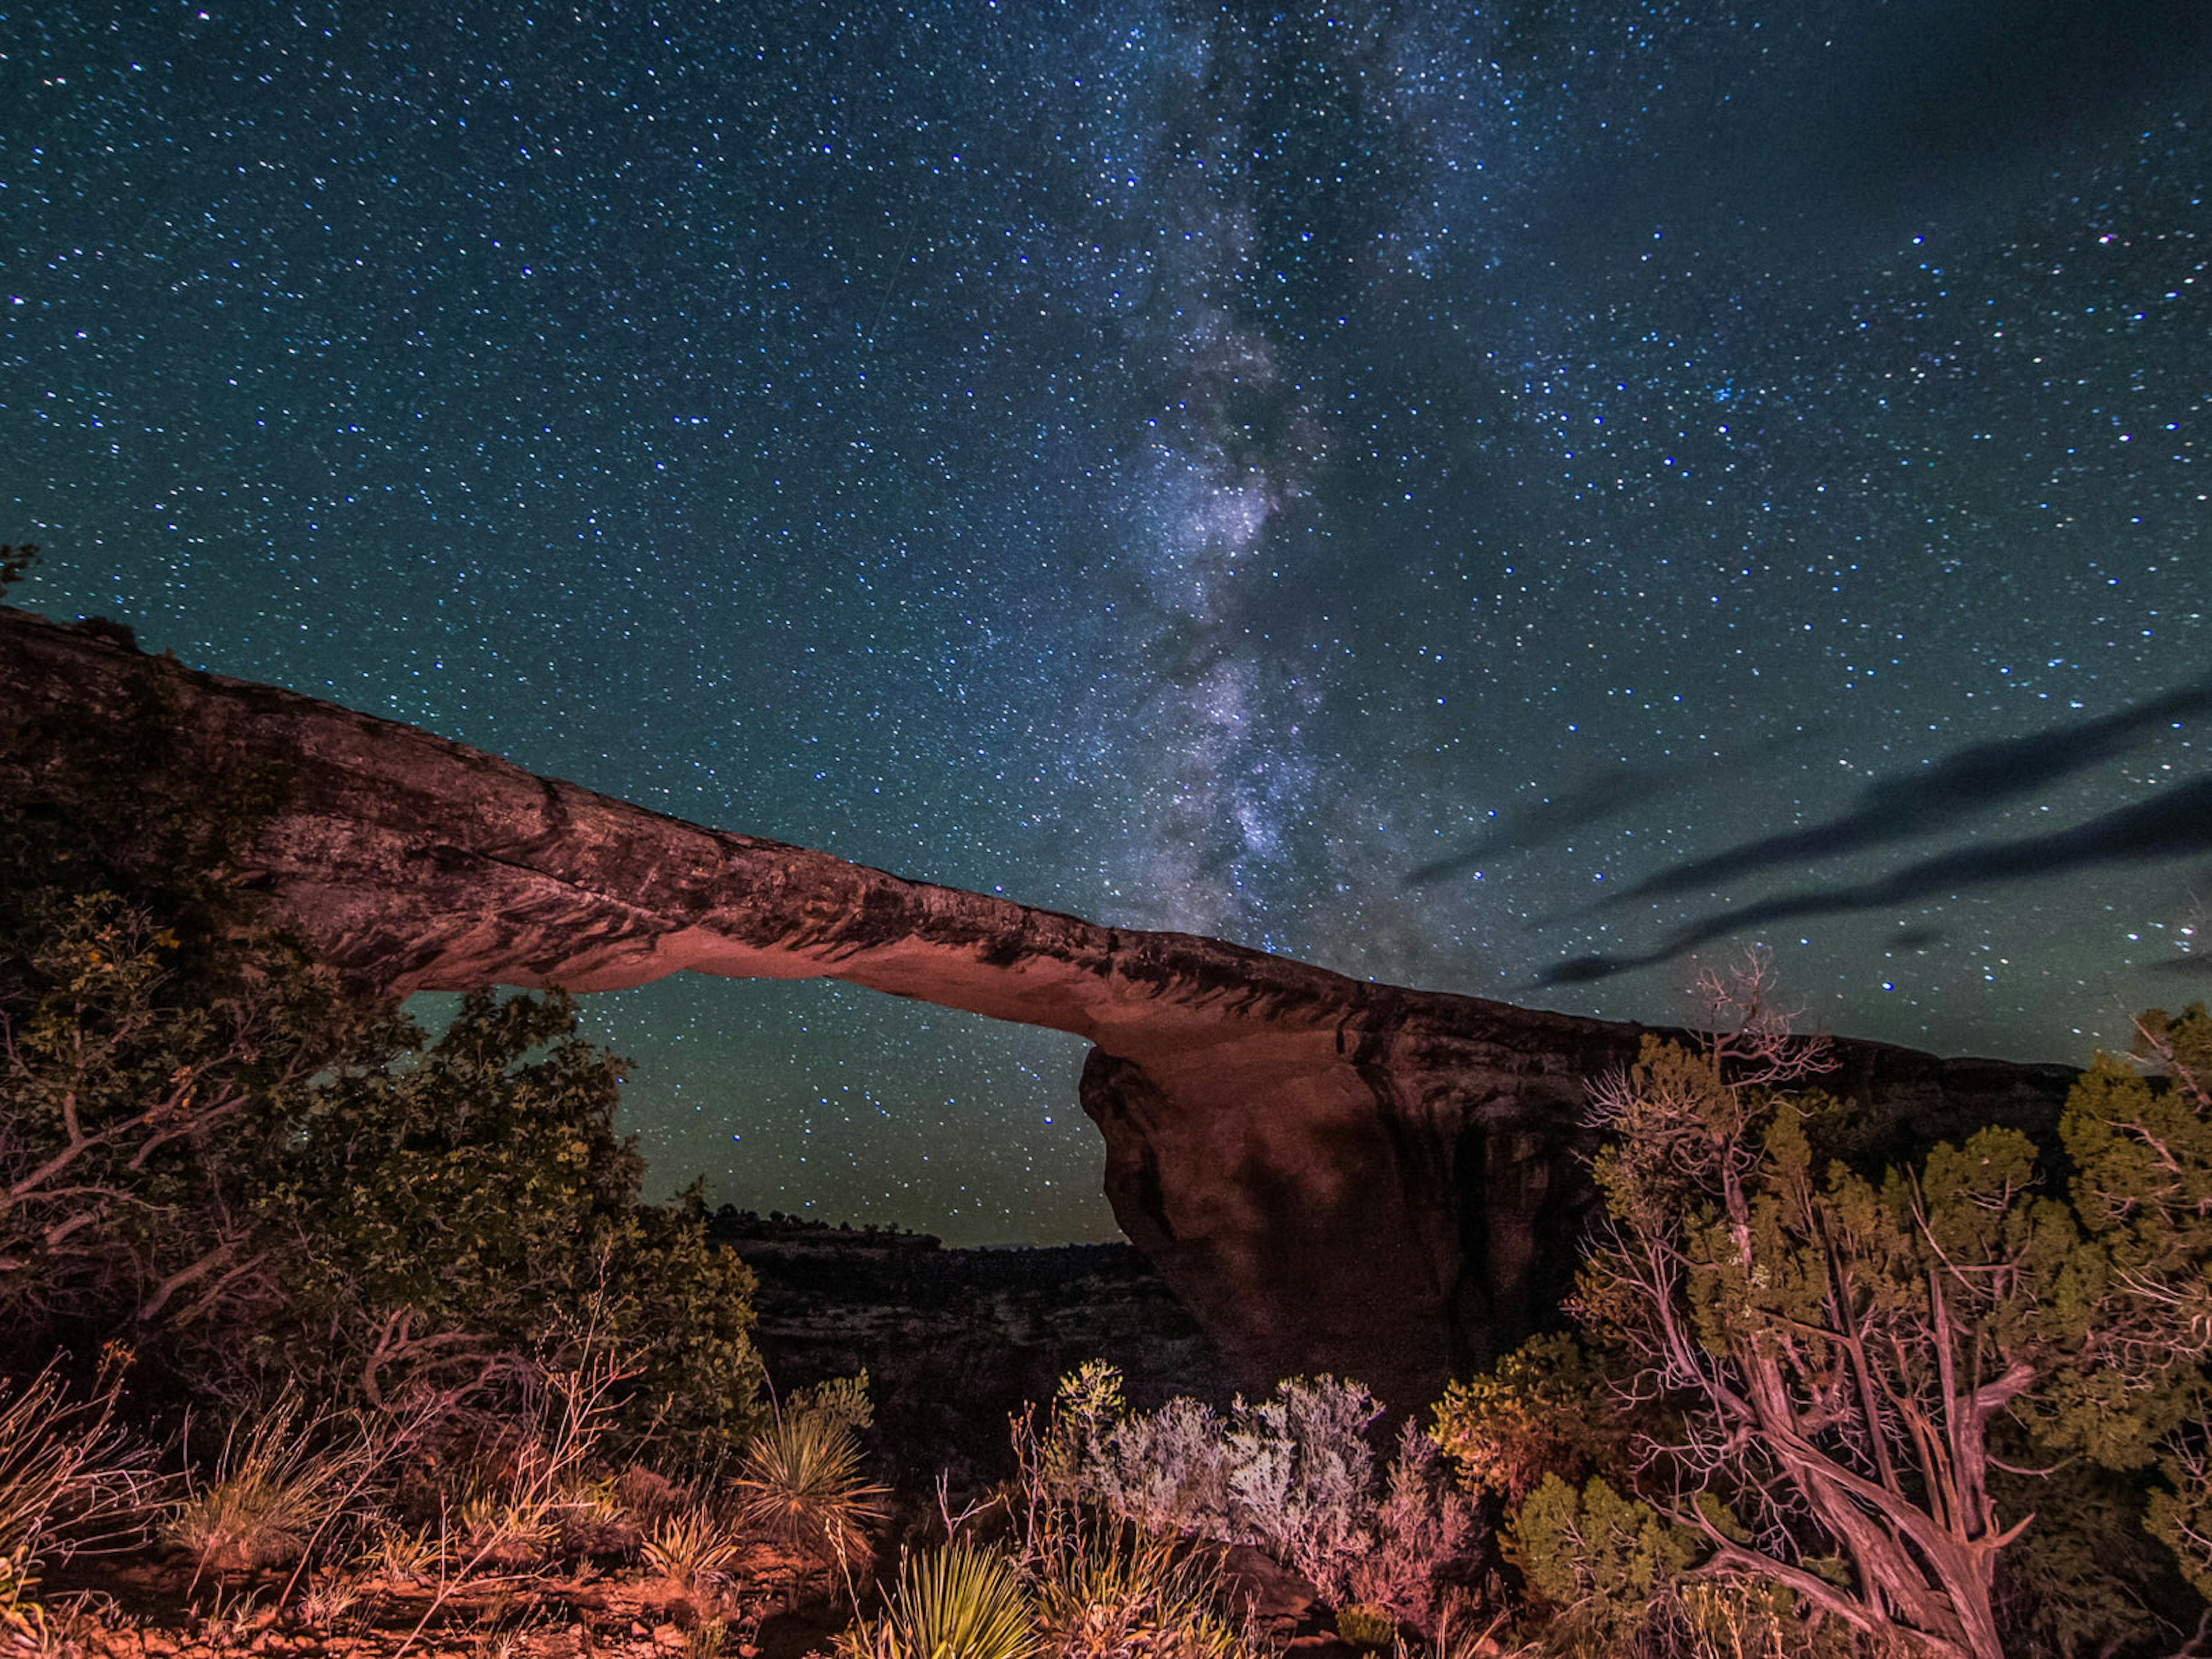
(1333, 1175)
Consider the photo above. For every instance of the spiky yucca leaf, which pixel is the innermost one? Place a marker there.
(801, 1484)
(958, 1602)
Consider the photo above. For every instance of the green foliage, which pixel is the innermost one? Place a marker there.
(1603, 1562)
(957, 1602)
(15, 563)
(1364, 1626)
(264, 1179)
(1849, 1359)
(2086, 1577)
(474, 1204)
(1546, 1409)
(126, 1191)
(2136, 1294)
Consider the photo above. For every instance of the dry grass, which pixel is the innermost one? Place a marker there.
(1111, 1596)
(70, 1481)
(693, 1549)
(279, 1484)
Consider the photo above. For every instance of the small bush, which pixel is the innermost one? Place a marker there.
(1424, 1538)
(1605, 1563)
(1300, 1477)
(1544, 1410)
(1363, 1625)
(1167, 1471)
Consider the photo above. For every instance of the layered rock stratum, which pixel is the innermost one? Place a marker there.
(1332, 1175)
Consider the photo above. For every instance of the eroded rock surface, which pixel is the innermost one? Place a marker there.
(1333, 1175)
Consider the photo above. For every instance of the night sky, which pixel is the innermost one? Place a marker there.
(1522, 499)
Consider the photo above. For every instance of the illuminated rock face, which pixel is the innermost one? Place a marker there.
(1333, 1175)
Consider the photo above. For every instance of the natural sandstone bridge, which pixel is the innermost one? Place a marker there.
(1333, 1175)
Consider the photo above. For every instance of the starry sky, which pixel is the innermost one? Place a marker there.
(1522, 498)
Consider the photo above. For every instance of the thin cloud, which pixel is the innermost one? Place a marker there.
(2177, 822)
(1953, 790)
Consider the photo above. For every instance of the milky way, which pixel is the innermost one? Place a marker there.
(1524, 499)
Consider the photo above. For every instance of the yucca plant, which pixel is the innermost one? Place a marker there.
(958, 1602)
(692, 1549)
(276, 1486)
(800, 1484)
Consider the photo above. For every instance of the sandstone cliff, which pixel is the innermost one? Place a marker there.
(1333, 1176)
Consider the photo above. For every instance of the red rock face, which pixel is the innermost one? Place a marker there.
(1334, 1175)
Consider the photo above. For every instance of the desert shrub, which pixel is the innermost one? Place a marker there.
(1544, 1409)
(1292, 1474)
(1424, 1538)
(957, 1602)
(799, 1482)
(1363, 1625)
(1075, 1463)
(1891, 1400)
(471, 1197)
(1167, 1471)
(1301, 1475)
(1605, 1564)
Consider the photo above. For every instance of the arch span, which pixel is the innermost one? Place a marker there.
(1333, 1175)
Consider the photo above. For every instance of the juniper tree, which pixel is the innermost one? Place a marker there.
(1847, 1358)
